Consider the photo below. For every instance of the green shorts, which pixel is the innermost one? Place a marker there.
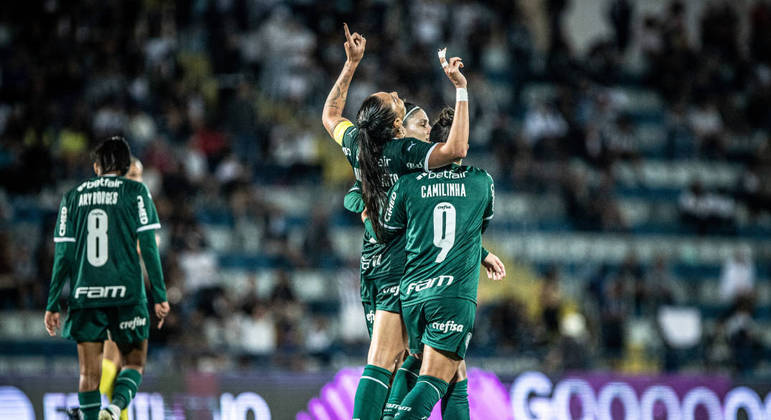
(128, 324)
(379, 294)
(444, 324)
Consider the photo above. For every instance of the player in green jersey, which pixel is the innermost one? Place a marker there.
(111, 362)
(380, 274)
(99, 224)
(442, 214)
(379, 153)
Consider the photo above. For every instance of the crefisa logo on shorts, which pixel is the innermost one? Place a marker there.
(136, 322)
(447, 326)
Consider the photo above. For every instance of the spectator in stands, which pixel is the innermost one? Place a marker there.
(8, 288)
(550, 300)
(257, 331)
(706, 123)
(613, 316)
(737, 279)
(620, 16)
(707, 212)
(544, 129)
(660, 287)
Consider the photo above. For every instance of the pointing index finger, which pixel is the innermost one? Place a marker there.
(347, 32)
(442, 53)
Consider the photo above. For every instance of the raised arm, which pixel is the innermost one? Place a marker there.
(456, 145)
(333, 107)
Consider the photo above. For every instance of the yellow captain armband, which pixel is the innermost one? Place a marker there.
(340, 129)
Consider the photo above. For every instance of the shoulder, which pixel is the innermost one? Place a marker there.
(344, 129)
(136, 187)
(478, 172)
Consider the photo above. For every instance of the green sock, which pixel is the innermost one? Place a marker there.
(421, 400)
(371, 393)
(404, 380)
(90, 404)
(455, 402)
(126, 387)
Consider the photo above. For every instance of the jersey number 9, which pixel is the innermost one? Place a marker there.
(444, 229)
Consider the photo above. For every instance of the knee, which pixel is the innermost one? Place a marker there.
(386, 358)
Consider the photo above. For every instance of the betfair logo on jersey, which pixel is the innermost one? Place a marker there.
(99, 292)
(448, 326)
(142, 211)
(101, 182)
(133, 324)
(446, 174)
(427, 284)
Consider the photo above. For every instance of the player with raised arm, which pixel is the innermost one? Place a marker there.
(455, 401)
(99, 224)
(379, 153)
(442, 214)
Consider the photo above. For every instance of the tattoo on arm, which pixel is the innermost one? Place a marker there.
(336, 98)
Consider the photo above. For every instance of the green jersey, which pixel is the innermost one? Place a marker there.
(96, 236)
(400, 156)
(442, 216)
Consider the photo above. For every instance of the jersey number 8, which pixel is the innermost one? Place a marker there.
(444, 229)
(96, 242)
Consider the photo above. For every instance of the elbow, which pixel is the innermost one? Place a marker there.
(461, 152)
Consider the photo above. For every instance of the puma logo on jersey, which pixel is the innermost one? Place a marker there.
(410, 146)
(427, 284)
(99, 292)
(133, 324)
(448, 326)
(142, 211)
(63, 222)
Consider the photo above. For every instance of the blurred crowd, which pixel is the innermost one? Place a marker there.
(221, 101)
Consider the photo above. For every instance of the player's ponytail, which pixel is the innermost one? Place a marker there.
(376, 127)
(441, 128)
(113, 155)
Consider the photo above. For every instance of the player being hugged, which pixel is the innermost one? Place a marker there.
(96, 234)
(443, 215)
(379, 152)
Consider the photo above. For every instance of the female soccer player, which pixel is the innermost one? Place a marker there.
(443, 217)
(379, 153)
(98, 227)
(111, 362)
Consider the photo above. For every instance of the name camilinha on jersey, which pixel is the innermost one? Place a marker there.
(443, 190)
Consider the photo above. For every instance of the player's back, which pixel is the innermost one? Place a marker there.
(103, 217)
(399, 156)
(444, 213)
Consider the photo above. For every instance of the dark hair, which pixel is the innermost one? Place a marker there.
(113, 154)
(376, 128)
(409, 109)
(441, 128)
